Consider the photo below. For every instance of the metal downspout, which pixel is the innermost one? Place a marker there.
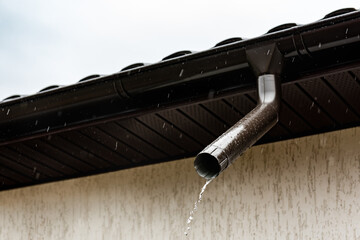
(218, 155)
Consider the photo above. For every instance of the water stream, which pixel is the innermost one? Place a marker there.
(191, 217)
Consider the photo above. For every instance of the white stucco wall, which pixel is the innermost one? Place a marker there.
(306, 188)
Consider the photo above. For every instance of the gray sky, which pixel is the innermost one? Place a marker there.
(47, 42)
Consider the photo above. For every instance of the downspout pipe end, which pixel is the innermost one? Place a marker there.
(207, 166)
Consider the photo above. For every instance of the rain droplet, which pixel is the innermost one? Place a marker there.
(268, 52)
(163, 126)
(180, 136)
(36, 122)
(347, 110)
(168, 96)
(181, 72)
(329, 101)
(8, 111)
(289, 123)
(35, 108)
(318, 111)
(312, 105)
(319, 45)
(48, 128)
(116, 145)
(346, 31)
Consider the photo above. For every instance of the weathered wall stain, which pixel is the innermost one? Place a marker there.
(306, 188)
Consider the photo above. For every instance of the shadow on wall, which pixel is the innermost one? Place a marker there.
(304, 188)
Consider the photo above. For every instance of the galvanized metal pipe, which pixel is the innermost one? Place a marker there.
(217, 156)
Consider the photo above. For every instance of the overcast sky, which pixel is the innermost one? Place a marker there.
(46, 42)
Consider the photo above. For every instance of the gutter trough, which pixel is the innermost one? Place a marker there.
(223, 70)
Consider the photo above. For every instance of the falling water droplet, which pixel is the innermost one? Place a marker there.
(192, 212)
(181, 72)
(116, 145)
(8, 111)
(312, 105)
(48, 128)
(268, 52)
(163, 126)
(180, 136)
(319, 45)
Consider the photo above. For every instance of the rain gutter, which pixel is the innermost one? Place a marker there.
(330, 43)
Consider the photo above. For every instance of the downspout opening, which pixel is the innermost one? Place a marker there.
(207, 166)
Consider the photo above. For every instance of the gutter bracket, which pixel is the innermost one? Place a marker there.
(119, 88)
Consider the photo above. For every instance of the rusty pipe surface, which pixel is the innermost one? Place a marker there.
(218, 155)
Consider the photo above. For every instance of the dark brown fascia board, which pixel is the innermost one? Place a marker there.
(322, 46)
